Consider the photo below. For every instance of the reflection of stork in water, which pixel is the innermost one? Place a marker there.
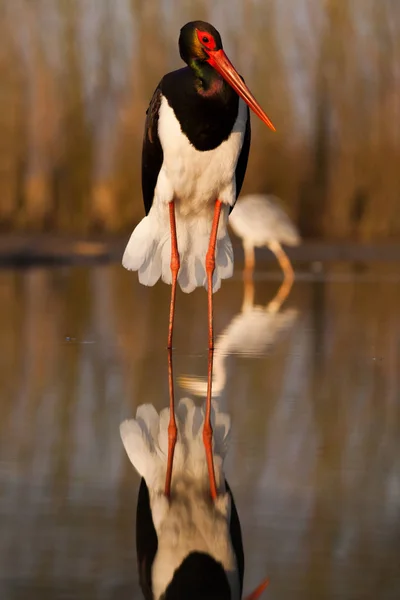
(260, 221)
(250, 333)
(188, 544)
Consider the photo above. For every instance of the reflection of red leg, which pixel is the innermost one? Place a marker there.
(207, 430)
(175, 264)
(172, 430)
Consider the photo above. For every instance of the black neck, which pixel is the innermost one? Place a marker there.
(209, 83)
(204, 104)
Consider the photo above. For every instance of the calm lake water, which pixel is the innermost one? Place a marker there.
(314, 395)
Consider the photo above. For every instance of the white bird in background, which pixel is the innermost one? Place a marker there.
(250, 333)
(260, 221)
(188, 544)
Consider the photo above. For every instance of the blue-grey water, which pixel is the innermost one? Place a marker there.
(313, 390)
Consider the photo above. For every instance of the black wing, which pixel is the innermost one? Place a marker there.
(236, 537)
(241, 166)
(146, 540)
(152, 153)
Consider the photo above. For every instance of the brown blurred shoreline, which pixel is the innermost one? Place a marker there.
(77, 76)
(31, 249)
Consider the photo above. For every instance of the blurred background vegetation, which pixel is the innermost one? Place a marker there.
(76, 77)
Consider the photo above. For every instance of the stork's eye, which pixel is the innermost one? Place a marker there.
(206, 39)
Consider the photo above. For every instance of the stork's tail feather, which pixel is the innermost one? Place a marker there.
(143, 252)
(146, 442)
(149, 251)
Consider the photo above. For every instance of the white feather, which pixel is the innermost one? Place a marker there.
(260, 219)
(194, 180)
(190, 521)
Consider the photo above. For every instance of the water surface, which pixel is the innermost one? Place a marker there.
(314, 395)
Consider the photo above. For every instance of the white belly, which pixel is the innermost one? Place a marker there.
(195, 179)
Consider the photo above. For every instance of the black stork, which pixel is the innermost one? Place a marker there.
(195, 150)
(188, 545)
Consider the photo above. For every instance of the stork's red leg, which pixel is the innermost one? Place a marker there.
(210, 266)
(175, 264)
(172, 430)
(207, 430)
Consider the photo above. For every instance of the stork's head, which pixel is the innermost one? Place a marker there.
(200, 43)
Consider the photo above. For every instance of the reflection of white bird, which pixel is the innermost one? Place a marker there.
(250, 333)
(188, 544)
(260, 221)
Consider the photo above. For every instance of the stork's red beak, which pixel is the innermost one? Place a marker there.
(221, 63)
